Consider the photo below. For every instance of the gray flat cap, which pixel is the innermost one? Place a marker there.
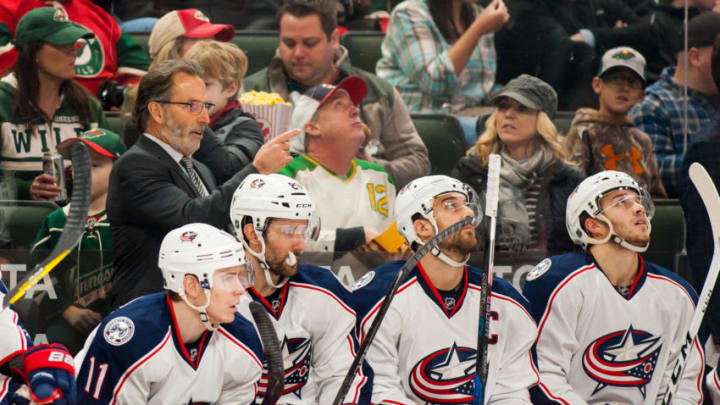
(530, 92)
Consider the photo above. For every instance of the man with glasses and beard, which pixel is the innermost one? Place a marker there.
(159, 186)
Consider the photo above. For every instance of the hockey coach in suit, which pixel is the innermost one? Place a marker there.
(157, 186)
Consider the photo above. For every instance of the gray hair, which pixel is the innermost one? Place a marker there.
(157, 85)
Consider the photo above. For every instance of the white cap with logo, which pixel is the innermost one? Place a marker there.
(625, 57)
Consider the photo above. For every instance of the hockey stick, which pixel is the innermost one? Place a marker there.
(74, 225)
(273, 354)
(491, 207)
(402, 274)
(709, 195)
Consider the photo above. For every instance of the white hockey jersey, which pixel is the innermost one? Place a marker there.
(14, 340)
(363, 197)
(595, 346)
(136, 356)
(712, 382)
(424, 353)
(315, 323)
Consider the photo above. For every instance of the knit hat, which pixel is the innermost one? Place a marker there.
(188, 23)
(623, 56)
(102, 141)
(703, 28)
(530, 92)
(48, 25)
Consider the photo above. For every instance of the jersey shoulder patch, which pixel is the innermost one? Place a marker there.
(364, 280)
(119, 330)
(539, 269)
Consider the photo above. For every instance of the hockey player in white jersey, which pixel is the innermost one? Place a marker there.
(274, 216)
(184, 346)
(425, 349)
(610, 324)
(46, 369)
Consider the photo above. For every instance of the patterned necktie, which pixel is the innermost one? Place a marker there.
(187, 163)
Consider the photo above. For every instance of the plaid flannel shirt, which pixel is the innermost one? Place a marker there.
(661, 116)
(415, 60)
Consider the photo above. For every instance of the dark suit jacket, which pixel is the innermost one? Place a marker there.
(149, 195)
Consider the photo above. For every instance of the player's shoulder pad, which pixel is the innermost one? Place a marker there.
(323, 278)
(372, 287)
(134, 329)
(547, 275)
(244, 331)
(653, 268)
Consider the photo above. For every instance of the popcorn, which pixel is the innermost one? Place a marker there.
(270, 110)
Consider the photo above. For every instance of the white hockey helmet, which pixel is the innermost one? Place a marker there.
(417, 198)
(198, 249)
(265, 196)
(586, 199)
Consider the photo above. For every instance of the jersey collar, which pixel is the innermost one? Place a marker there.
(435, 296)
(283, 299)
(180, 346)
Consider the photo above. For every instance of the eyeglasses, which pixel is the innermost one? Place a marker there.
(619, 81)
(195, 107)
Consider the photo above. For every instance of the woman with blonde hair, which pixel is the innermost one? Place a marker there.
(536, 178)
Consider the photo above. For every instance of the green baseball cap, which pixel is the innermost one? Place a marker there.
(102, 141)
(48, 25)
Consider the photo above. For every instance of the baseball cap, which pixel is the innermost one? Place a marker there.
(48, 25)
(102, 141)
(530, 92)
(623, 56)
(703, 28)
(305, 105)
(189, 23)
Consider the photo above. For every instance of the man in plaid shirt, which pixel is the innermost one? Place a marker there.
(661, 113)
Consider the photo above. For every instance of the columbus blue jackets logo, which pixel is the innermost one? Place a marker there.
(445, 376)
(257, 183)
(297, 354)
(188, 236)
(624, 358)
(119, 331)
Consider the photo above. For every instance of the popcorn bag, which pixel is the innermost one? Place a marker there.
(270, 110)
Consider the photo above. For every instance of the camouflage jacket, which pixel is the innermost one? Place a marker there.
(597, 142)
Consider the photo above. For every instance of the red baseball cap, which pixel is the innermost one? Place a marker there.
(189, 23)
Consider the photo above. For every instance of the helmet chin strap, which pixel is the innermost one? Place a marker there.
(442, 256)
(202, 309)
(263, 264)
(617, 238)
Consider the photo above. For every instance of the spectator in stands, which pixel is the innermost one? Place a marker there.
(539, 41)
(110, 55)
(157, 186)
(606, 139)
(354, 197)
(310, 54)
(40, 104)
(535, 179)
(440, 55)
(661, 113)
(699, 239)
(237, 132)
(81, 288)
(173, 35)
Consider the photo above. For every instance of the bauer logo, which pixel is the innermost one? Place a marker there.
(119, 331)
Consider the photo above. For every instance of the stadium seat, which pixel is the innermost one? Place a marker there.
(562, 121)
(21, 220)
(444, 139)
(363, 48)
(114, 121)
(667, 240)
(259, 46)
(142, 39)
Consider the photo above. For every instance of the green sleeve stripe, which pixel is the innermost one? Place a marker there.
(298, 164)
(365, 165)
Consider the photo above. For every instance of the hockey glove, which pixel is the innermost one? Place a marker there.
(50, 374)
